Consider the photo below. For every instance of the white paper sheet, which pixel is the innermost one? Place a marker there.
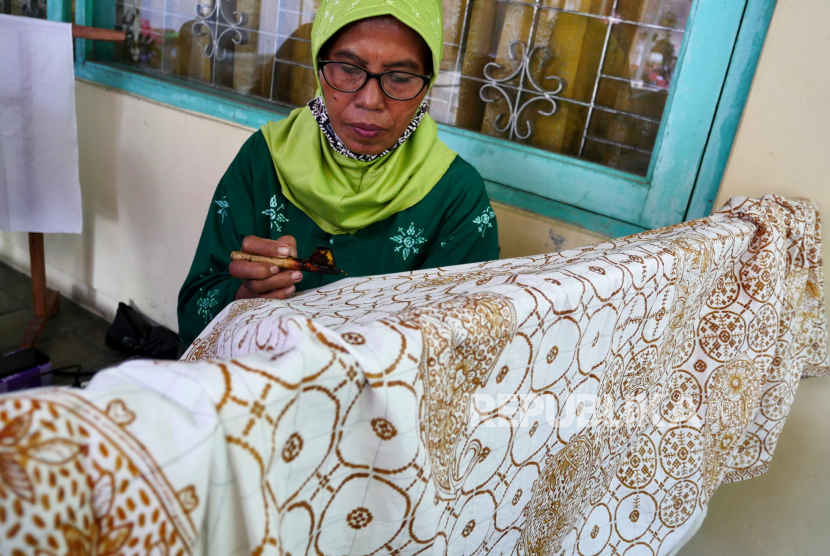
(39, 186)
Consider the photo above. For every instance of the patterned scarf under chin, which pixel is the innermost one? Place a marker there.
(318, 109)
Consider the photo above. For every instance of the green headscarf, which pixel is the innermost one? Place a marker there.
(340, 194)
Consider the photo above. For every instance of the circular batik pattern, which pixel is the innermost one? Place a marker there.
(763, 329)
(292, 447)
(747, 453)
(816, 347)
(778, 367)
(763, 364)
(354, 338)
(635, 514)
(383, 428)
(776, 401)
(679, 504)
(681, 452)
(771, 440)
(596, 339)
(370, 511)
(721, 335)
(639, 549)
(759, 277)
(639, 465)
(682, 398)
(736, 380)
(685, 346)
(595, 532)
(725, 293)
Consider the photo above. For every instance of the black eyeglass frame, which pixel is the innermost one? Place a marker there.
(369, 75)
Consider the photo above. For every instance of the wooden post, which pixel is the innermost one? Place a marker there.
(38, 262)
(47, 303)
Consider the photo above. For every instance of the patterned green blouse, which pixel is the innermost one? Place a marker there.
(454, 224)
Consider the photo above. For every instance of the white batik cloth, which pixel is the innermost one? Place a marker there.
(585, 402)
(39, 186)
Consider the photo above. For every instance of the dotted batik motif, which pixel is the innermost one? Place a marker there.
(73, 480)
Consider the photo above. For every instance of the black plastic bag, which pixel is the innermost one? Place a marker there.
(132, 334)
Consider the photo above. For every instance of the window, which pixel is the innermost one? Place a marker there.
(27, 8)
(588, 111)
(585, 78)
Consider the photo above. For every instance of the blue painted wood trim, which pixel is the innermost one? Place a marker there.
(83, 16)
(103, 16)
(739, 78)
(697, 87)
(591, 221)
(210, 103)
(59, 10)
(572, 182)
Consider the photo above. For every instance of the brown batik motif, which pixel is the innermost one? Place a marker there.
(73, 481)
(463, 339)
(584, 402)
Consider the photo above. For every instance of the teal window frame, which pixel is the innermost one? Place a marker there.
(716, 66)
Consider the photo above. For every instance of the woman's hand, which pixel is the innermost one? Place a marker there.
(262, 279)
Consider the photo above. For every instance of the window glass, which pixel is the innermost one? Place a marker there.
(584, 78)
(28, 8)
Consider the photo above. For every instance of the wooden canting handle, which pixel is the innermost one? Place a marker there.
(282, 262)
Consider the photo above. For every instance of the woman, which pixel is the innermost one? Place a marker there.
(360, 170)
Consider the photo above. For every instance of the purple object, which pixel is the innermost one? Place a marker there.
(23, 369)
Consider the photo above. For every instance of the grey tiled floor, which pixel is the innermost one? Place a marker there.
(73, 336)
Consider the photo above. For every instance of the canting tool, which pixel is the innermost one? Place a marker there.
(321, 261)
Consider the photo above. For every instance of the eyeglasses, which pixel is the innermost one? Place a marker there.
(348, 78)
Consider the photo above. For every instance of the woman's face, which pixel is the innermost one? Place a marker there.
(368, 121)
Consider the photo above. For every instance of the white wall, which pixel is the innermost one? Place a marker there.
(147, 175)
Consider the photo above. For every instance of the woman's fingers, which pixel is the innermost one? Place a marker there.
(244, 293)
(275, 282)
(247, 270)
(284, 293)
(290, 242)
(286, 246)
(262, 279)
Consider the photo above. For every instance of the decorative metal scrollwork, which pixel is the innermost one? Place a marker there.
(213, 19)
(35, 8)
(522, 71)
(128, 17)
